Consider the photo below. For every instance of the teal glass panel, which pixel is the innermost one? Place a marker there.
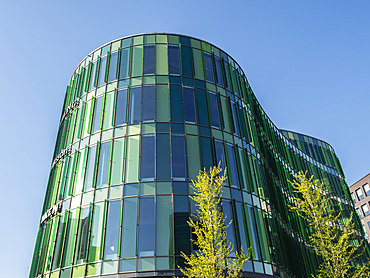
(129, 226)
(162, 103)
(181, 227)
(127, 265)
(112, 230)
(134, 105)
(178, 157)
(219, 149)
(96, 233)
(252, 230)
(176, 104)
(189, 105)
(207, 156)
(90, 169)
(198, 64)
(124, 68)
(146, 238)
(186, 64)
(233, 173)
(102, 177)
(132, 159)
(214, 107)
(164, 234)
(163, 169)
(113, 63)
(137, 61)
(192, 153)
(242, 227)
(118, 161)
(202, 107)
(82, 235)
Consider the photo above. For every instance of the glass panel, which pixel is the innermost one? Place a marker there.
(192, 149)
(103, 165)
(173, 59)
(230, 233)
(148, 104)
(124, 63)
(164, 234)
(202, 107)
(149, 59)
(113, 67)
(162, 103)
(59, 241)
(186, 65)
(178, 157)
(118, 161)
(198, 64)
(82, 235)
(97, 113)
(90, 169)
(121, 107)
(163, 157)
(235, 118)
(102, 69)
(181, 227)
(220, 154)
(161, 63)
(209, 67)
(129, 226)
(233, 176)
(367, 189)
(137, 61)
(132, 161)
(189, 105)
(93, 69)
(146, 227)
(147, 158)
(218, 71)
(49, 252)
(359, 194)
(207, 158)
(134, 105)
(242, 227)
(70, 238)
(176, 103)
(108, 111)
(96, 232)
(112, 230)
(213, 101)
(365, 210)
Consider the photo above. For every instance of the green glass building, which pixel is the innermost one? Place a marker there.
(142, 115)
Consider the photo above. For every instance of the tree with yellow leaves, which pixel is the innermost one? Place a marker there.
(212, 259)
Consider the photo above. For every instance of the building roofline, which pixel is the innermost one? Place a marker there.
(355, 183)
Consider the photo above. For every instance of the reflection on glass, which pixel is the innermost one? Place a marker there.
(230, 234)
(103, 165)
(134, 105)
(163, 170)
(178, 157)
(112, 230)
(96, 232)
(214, 109)
(189, 105)
(113, 67)
(124, 63)
(164, 235)
(82, 235)
(176, 103)
(146, 238)
(147, 158)
(129, 225)
(232, 166)
(97, 113)
(209, 67)
(148, 104)
(121, 107)
(93, 71)
(102, 68)
(218, 71)
(89, 173)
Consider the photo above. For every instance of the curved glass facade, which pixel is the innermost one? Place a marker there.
(141, 116)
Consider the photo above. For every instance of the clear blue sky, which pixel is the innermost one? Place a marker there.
(307, 61)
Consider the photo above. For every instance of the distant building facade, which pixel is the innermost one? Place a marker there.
(360, 192)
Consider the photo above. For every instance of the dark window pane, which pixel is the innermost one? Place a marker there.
(146, 227)
(173, 59)
(233, 178)
(182, 230)
(226, 72)
(186, 64)
(82, 235)
(213, 102)
(103, 165)
(97, 113)
(112, 230)
(147, 158)
(89, 173)
(149, 59)
(148, 103)
(226, 209)
(163, 169)
(202, 107)
(218, 72)
(220, 153)
(129, 226)
(209, 67)
(189, 105)
(134, 105)
(124, 63)
(178, 157)
(176, 103)
(121, 107)
(235, 118)
(207, 157)
(102, 69)
(113, 67)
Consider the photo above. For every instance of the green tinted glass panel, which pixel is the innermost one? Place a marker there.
(108, 111)
(162, 103)
(137, 61)
(129, 228)
(132, 162)
(96, 233)
(70, 238)
(51, 244)
(161, 62)
(192, 149)
(59, 241)
(118, 161)
(198, 64)
(164, 234)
